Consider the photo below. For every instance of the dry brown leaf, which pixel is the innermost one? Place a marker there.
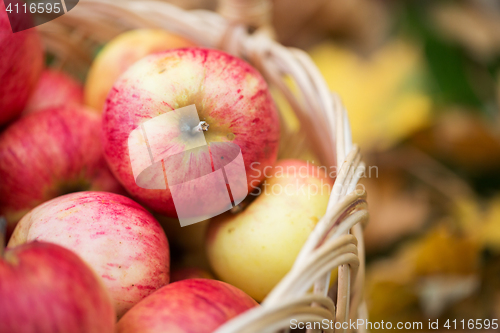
(474, 26)
(462, 139)
(303, 23)
(395, 210)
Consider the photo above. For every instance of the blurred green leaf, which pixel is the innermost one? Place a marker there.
(447, 65)
(453, 72)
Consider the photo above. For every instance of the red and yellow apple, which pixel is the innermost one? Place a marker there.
(119, 54)
(50, 153)
(54, 88)
(21, 63)
(229, 106)
(187, 306)
(46, 288)
(254, 249)
(115, 236)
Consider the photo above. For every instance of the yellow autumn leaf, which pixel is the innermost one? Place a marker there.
(481, 221)
(444, 252)
(498, 90)
(380, 92)
(398, 287)
(390, 291)
(490, 228)
(467, 213)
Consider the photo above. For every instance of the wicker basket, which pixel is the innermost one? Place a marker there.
(242, 28)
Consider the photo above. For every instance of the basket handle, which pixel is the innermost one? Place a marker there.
(252, 13)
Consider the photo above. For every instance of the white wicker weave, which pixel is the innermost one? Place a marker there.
(337, 240)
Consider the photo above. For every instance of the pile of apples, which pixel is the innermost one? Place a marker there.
(84, 251)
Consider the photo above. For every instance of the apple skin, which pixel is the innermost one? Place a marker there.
(114, 235)
(119, 54)
(187, 306)
(50, 153)
(54, 88)
(45, 288)
(20, 66)
(228, 93)
(185, 273)
(253, 250)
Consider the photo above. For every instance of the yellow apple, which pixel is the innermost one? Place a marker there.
(119, 54)
(254, 249)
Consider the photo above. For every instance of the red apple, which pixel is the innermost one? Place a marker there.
(54, 88)
(172, 97)
(187, 306)
(21, 62)
(45, 288)
(50, 153)
(117, 237)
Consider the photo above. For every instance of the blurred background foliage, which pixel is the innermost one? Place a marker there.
(421, 82)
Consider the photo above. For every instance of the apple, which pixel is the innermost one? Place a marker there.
(115, 236)
(54, 88)
(189, 99)
(254, 249)
(119, 54)
(46, 288)
(21, 63)
(185, 273)
(194, 305)
(50, 153)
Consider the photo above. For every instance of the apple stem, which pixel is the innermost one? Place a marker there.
(201, 127)
(3, 234)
